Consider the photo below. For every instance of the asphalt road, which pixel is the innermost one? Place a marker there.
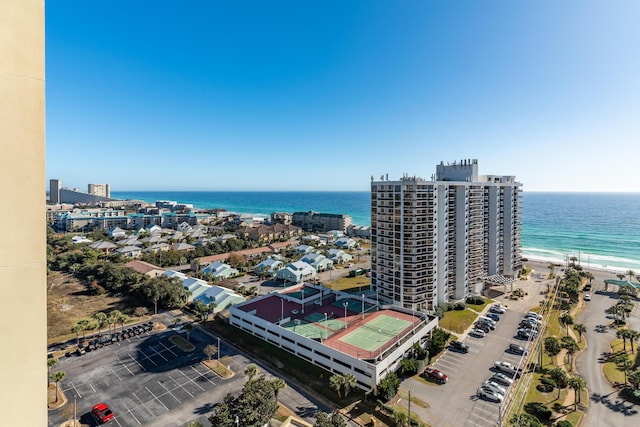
(455, 404)
(605, 407)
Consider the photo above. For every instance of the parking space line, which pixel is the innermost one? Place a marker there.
(156, 398)
(139, 364)
(168, 348)
(131, 412)
(160, 354)
(168, 391)
(91, 385)
(76, 390)
(180, 385)
(114, 371)
(197, 385)
(148, 358)
(142, 403)
(203, 375)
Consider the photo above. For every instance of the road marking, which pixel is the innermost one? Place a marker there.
(203, 375)
(91, 385)
(130, 412)
(180, 385)
(198, 385)
(147, 357)
(127, 368)
(168, 348)
(132, 358)
(143, 405)
(160, 354)
(114, 371)
(167, 390)
(76, 390)
(156, 398)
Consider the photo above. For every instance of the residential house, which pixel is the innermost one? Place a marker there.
(221, 297)
(117, 233)
(304, 249)
(80, 239)
(268, 267)
(296, 272)
(145, 268)
(153, 229)
(158, 247)
(338, 256)
(101, 245)
(220, 270)
(130, 251)
(318, 261)
(182, 247)
(345, 243)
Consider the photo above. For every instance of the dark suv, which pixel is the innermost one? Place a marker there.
(459, 346)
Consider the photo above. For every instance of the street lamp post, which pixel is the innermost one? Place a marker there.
(325, 325)
(281, 309)
(363, 306)
(75, 412)
(345, 304)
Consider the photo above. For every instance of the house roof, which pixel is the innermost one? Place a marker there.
(142, 266)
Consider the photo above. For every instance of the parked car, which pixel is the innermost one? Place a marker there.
(478, 333)
(507, 368)
(102, 412)
(527, 333)
(515, 349)
(499, 309)
(487, 393)
(493, 316)
(495, 387)
(500, 378)
(436, 375)
(459, 346)
(483, 327)
(587, 297)
(534, 315)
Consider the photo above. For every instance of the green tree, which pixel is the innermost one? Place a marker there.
(580, 329)
(278, 384)
(577, 384)
(101, 318)
(634, 378)
(210, 350)
(400, 418)
(112, 319)
(566, 320)
(329, 420)
(623, 334)
(631, 273)
(335, 382)
(572, 348)
(348, 383)
(633, 335)
(251, 371)
(50, 364)
(57, 377)
(408, 366)
(84, 324)
(559, 376)
(77, 329)
(525, 420)
(388, 387)
(552, 346)
(195, 424)
(188, 327)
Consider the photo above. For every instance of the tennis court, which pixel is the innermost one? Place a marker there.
(354, 305)
(306, 329)
(330, 323)
(376, 332)
(307, 292)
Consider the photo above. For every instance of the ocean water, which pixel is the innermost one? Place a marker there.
(601, 229)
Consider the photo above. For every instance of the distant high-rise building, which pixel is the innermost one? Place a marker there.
(99, 190)
(54, 191)
(435, 241)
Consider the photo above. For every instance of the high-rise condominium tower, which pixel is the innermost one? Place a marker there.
(99, 190)
(54, 191)
(435, 241)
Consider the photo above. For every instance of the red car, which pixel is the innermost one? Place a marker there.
(436, 375)
(102, 412)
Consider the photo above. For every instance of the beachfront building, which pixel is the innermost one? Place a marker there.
(435, 241)
(99, 190)
(336, 331)
(314, 221)
(296, 272)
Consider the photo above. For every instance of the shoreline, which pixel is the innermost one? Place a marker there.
(541, 265)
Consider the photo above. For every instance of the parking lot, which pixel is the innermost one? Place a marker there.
(455, 403)
(142, 378)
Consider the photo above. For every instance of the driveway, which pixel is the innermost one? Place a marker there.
(604, 401)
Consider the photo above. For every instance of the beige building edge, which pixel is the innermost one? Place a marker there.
(23, 396)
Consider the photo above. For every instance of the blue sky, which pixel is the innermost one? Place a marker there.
(302, 95)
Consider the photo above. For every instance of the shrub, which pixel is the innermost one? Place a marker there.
(564, 423)
(546, 385)
(475, 300)
(538, 410)
(459, 306)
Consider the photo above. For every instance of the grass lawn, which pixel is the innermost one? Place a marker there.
(480, 307)
(182, 343)
(414, 400)
(219, 368)
(458, 320)
(350, 283)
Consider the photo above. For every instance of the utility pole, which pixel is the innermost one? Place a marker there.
(409, 407)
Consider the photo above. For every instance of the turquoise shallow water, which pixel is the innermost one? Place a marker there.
(602, 229)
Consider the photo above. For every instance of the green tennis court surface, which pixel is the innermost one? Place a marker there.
(307, 293)
(376, 333)
(333, 324)
(354, 305)
(309, 330)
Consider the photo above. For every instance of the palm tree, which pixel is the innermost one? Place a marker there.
(348, 382)
(101, 318)
(335, 382)
(625, 366)
(77, 329)
(50, 364)
(277, 384)
(123, 319)
(83, 325)
(572, 348)
(551, 267)
(630, 273)
(577, 384)
(633, 335)
(566, 320)
(251, 371)
(580, 329)
(57, 377)
(559, 376)
(210, 350)
(621, 276)
(114, 317)
(188, 328)
(623, 334)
